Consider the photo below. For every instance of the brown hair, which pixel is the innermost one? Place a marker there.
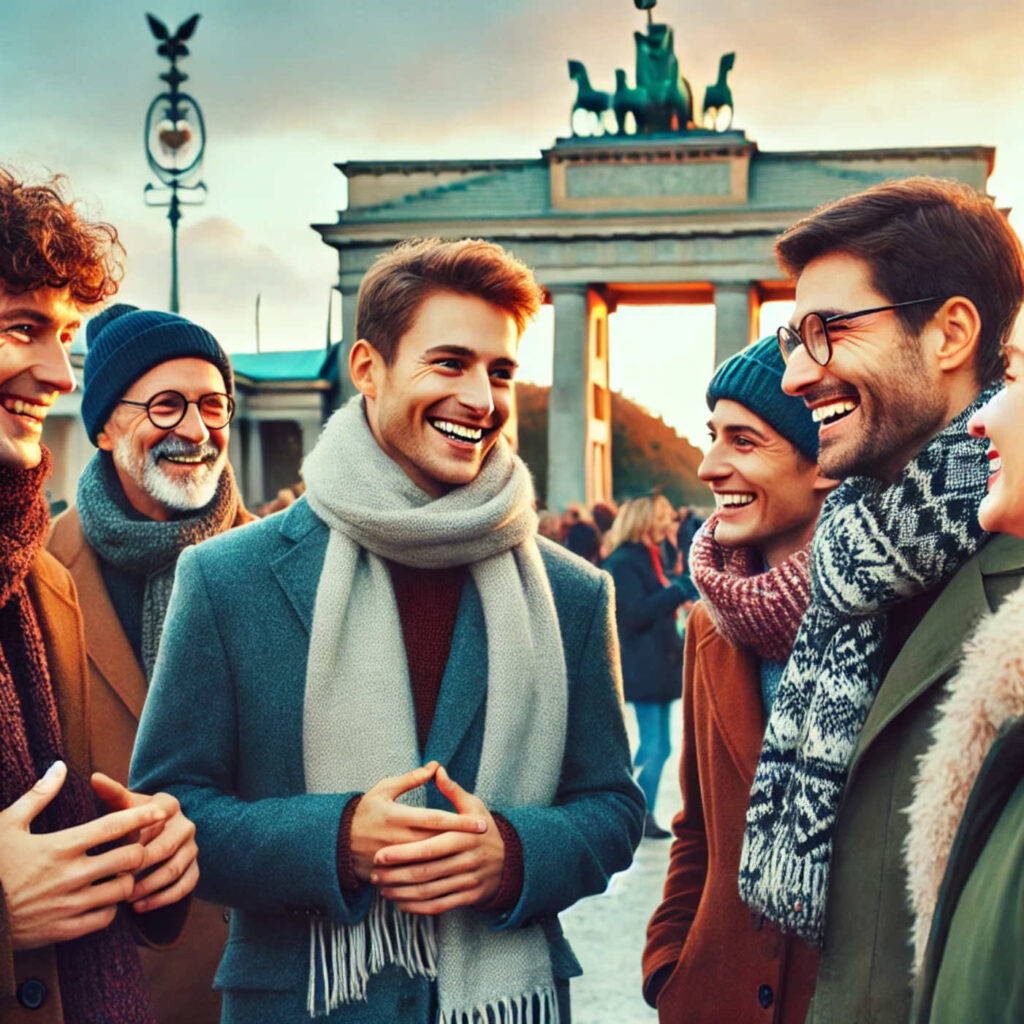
(920, 237)
(398, 283)
(45, 244)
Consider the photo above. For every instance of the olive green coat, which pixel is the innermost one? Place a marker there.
(864, 975)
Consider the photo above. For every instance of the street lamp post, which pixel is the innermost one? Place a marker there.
(175, 139)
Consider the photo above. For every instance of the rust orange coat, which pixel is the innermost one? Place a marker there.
(723, 967)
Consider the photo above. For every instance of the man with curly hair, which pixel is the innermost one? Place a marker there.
(75, 848)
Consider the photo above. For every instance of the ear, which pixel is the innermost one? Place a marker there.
(823, 484)
(365, 367)
(960, 324)
(104, 442)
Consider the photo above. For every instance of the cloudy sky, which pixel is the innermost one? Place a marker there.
(289, 89)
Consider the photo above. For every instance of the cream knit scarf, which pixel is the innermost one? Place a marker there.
(359, 723)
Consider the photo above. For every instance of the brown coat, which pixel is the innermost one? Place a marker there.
(53, 596)
(725, 968)
(181, 979)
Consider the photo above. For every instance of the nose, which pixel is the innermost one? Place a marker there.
(192, 427)
(54, 367)
(475, 393)
(976, 424)
(713, 466)
(802, 372)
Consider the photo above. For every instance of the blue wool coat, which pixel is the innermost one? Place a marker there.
(222, 731)
(645, 610)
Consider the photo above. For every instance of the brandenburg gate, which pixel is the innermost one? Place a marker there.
(661, 214)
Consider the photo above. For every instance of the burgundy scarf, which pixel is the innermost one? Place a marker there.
(100, 977)
(750, 606)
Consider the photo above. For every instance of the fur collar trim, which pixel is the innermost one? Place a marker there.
(987, 690)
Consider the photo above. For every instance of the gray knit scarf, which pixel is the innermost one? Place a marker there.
(359, 723)
(875, 546)
(147, 547)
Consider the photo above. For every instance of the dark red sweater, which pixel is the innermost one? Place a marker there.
(428, 604)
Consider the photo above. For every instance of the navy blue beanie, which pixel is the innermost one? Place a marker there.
(124, 342)
(753, 378)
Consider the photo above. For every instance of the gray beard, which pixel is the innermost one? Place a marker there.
(191, 492)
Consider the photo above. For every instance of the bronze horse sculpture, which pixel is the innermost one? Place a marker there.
(670, 98)
(588, 98)
(719, 96)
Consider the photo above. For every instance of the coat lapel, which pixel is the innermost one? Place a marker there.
(464, 685)
(108, 647)
(60, 622)
(297, 570)
(930, 653)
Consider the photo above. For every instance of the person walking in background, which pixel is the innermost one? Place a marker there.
(707, 959)
(965, 847)
(157, 402)
(646, 604)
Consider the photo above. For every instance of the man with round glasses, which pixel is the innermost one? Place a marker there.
(157, 402)
(904, 297)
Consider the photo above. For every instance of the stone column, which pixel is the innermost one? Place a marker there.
(348, 338)
(579, 435)
(252, 447)
(737, 310)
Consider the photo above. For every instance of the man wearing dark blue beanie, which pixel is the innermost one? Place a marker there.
(750, 562)
(157, 403)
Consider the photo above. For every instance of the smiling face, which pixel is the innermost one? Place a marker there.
(164, 472)
(768, 495)
(879, 399)
(439, 408)
(36, 331)
(1001, 420)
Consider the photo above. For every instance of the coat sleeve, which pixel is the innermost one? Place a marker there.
(573, 847)
(638, 608)
(688, 861)
(274, 855)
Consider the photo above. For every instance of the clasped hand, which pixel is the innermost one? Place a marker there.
(56, 891)
(427, 861)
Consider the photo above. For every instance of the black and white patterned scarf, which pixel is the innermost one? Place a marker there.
(875, 546)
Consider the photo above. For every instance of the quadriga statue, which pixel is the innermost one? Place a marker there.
(669, 96)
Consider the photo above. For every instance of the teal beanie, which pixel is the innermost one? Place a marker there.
(124, 342)
(753, 378)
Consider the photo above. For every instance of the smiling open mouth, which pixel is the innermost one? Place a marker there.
(459, 432)
(187, 460)
(733, 500)
(19, 407)
(833, 412)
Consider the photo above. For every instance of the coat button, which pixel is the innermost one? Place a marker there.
(32, 993)
(765, 996)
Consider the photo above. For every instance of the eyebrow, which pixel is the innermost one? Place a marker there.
(33, 316)
(468, 353)
(737, 428)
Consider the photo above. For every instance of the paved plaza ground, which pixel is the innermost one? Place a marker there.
(607, 931)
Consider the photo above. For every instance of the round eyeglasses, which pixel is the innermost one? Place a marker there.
(812, 331)
(167, 409)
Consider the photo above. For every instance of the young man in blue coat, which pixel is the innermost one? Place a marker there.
(392, 711)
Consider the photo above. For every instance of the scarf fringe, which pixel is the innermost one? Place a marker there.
(789, 890)
(539, 1006)
(343, 958)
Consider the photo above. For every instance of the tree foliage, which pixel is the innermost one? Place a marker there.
(647, 454)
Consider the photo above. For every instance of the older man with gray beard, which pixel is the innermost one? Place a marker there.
(157, 402)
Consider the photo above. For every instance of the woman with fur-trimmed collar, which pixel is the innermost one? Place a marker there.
(965, 848)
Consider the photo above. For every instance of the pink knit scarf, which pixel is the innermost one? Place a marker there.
(750, 606)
